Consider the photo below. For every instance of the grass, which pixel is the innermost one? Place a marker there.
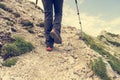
(113, 61)
(10, 62)
(99, 68)
(20, 46)
(112, 35)
(117, 44)
(115, 64)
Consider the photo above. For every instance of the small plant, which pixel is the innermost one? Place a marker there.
(10, 62)
(23, 45)
(99, 68)
(10, 49)
(20, 46)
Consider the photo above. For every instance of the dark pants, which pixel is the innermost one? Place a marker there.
(49, 22)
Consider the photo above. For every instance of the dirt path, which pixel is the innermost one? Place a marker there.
(68, 61)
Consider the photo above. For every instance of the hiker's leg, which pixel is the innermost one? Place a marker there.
(48, 10)
(58, 4)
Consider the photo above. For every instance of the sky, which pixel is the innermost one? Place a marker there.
(96, 15)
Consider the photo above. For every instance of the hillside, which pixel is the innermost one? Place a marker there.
(111, 42)
(68, 61)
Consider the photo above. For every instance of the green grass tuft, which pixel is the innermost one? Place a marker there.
(99, 68)
(10, 62)
(113, 61)
(20, 46)
(115, 64)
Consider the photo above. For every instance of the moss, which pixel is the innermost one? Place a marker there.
(10, 62)
(99, 68)
(115, 64)
(20, 46)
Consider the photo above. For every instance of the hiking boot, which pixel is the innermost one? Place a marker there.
(49, 48)
(56, 36)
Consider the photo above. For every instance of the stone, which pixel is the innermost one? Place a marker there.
(40, 35)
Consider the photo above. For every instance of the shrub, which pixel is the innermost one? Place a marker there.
(10, 62)
(10, 49)
(20, 46)
(99, 68)
(23, 45)
(88, 40)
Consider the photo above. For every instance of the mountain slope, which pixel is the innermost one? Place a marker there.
(68, 61)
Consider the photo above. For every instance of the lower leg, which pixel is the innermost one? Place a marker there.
(48, 10)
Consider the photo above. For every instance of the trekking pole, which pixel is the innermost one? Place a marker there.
(78, 13)
(36, 2)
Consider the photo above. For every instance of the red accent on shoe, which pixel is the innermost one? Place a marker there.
(49, 49)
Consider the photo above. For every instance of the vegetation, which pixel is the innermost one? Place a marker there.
(101, 37)
(10, 62)
(99, 68)
(117, 44)
(115, 64)
(112, 35)
(113, 61)
(20, 46)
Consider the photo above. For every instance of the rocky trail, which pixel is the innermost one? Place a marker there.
(68, 61)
